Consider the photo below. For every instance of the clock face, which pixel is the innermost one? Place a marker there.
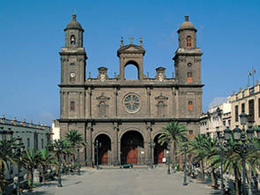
(72, 74)
(132, 103)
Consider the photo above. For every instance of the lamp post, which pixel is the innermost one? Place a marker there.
(243, 148)
(220, 147)
(97, 146)
(78, 149)
(152, 145)
(168, 150)
(18, 150)
(58, 148)
(185, 159)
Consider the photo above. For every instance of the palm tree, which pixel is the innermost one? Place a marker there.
(6, 155)
(46, 159)
(75, 138)
(173, 132)
(30, 161)
(197, 147)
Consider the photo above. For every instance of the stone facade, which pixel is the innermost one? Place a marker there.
(119, 118)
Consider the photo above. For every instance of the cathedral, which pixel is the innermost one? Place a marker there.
(121, 119)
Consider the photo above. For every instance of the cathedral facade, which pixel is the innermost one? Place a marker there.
(121, 119)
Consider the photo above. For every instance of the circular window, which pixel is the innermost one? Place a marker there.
(132, 103)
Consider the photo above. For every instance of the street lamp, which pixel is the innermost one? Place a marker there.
(152, 145)
(168, 150)
(18, 150)
(244, 148)
(58, 148)
(221, 149)
(97, 146)
(78, 149)
(185, 170)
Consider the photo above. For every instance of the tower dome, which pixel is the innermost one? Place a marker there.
(187, 25)
(73, 24)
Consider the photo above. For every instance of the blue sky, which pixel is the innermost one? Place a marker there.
(32, 35)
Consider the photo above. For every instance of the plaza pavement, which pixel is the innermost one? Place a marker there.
(125, 182)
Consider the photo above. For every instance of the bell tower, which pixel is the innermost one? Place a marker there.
(187, 57)
(73, 55)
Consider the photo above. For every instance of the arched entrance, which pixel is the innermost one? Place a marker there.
(104, 149)
(132, 148)
(159, 150)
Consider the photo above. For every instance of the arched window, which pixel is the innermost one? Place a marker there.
(72, 40)
(28, 143)
(131, 71)
(102, 109)
(72, 106)
(189, 42)
(189, 77)
(190, 105)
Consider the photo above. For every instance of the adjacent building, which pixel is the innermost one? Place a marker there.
(34, 136)
(121, 118)
(217, 119)
(247, 101)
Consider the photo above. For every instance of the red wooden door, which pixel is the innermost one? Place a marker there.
(160, 155)
(104, 158)
(132, 156)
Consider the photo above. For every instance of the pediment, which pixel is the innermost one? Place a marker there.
(161, 97)
(131, 49)
(102, 97)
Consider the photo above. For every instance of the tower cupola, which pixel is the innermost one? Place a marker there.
(74, 33)
(187, 35)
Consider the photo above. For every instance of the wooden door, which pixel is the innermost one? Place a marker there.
(132, 155)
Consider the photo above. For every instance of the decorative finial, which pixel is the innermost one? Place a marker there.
(141, 42)
(186, 18)
(147, 74)
(115, 74)
(74, 17)
(89, 75)
(122, 42)
(131, 40)
(172, 74)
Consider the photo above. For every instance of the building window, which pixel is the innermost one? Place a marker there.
(189, 65)
(72, 41)
(42, 144)
(161, 109)
(72, 106)
(35, 141)
(259, 107)
(236, 113)
(28, 143)
(102, 109)
(190, 105)
(251, 109)
(189, 42)
(72, 64)
(189, 76)
(224, 123)
(191, 134)
(243, 108)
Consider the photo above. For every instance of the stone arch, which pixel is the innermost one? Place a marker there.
(103, 146)
(132, 129)
(136, 65)
(132, 147)
(102, 132)
(159, 150)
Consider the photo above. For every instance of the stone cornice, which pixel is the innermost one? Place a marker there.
(139, 119)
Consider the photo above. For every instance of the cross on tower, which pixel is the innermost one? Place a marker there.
(131, 40)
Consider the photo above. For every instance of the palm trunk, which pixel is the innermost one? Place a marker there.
(190, 165)
(43, 174)
(30, 177)
(2, 177)
(174, 152)
(213, 178)
(237, 181)
(201, 170)
(181, 162)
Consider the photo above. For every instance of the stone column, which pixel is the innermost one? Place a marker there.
(115, 153)
(89, 130)
(115, 101)
(148, 141)
(89, 103)
(66, 105)
(177, 102)
(148, 90)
